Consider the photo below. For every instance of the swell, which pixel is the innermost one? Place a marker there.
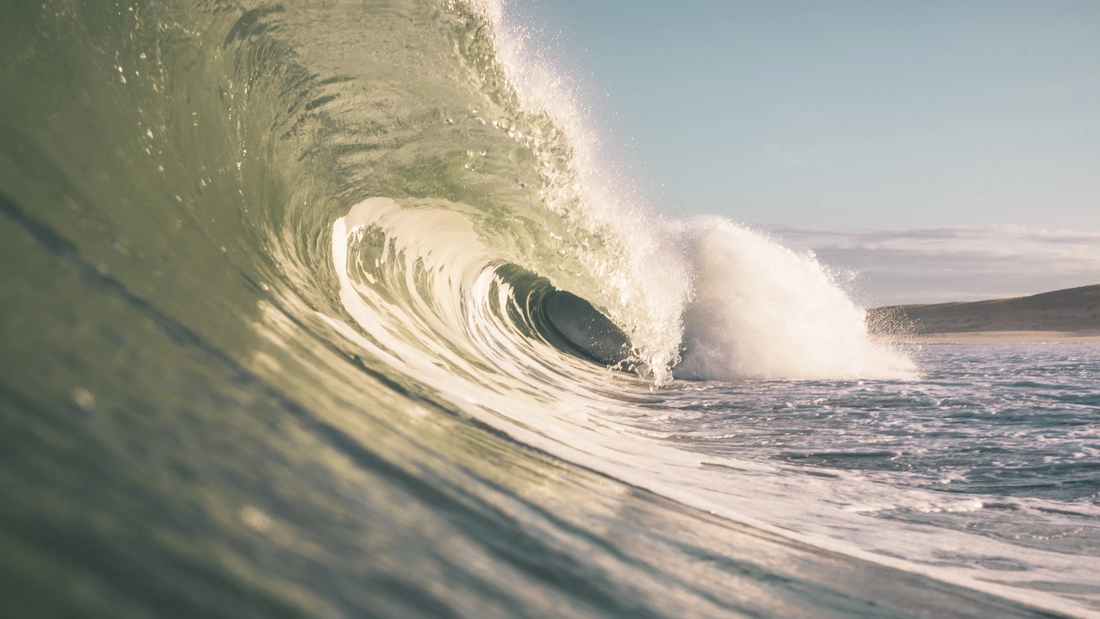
(207, 155)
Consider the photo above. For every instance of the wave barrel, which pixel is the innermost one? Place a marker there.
(586, 331)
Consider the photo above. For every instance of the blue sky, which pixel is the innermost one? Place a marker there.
(848, 115)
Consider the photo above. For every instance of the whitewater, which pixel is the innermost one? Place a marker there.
(346, 309)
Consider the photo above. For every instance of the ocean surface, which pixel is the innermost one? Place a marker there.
(282, 334)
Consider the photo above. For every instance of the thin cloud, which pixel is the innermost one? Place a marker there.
(929, 265)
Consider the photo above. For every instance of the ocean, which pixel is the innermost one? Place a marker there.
(343, 308)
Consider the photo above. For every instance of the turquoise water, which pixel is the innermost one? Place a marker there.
(274, 342)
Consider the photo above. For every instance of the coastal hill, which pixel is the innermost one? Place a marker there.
(1070, 311)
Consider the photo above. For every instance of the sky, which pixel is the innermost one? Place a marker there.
(828, 123)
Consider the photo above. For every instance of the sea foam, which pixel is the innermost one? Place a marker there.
(764, 311)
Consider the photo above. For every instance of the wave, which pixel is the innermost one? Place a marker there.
(701, 300)
(359, 222)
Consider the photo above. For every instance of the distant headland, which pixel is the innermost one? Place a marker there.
(1071, 315)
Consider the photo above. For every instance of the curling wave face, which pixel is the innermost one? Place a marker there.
(298, 278)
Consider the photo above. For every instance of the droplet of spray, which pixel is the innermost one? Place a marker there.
(255, 518)
(83, 398)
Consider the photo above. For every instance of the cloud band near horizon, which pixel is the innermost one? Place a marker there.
(935, 265)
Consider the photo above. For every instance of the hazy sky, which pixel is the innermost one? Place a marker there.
(842, 113)
(851, 115)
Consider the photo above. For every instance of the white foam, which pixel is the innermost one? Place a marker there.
(763, 311)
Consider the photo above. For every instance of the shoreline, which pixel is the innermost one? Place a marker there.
(999, 337)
